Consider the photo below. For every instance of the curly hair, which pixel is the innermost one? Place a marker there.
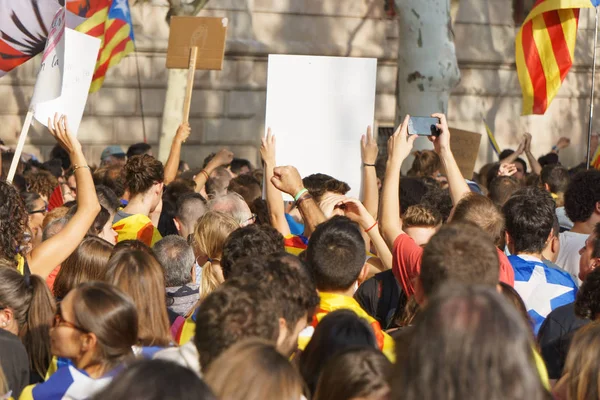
(419, 215)
(587, 304)
(42, 182)
(235, 311)
(582, 195)
(250, 241)
(13, 222)
(110, 177)
(141, 172)
(319, 184)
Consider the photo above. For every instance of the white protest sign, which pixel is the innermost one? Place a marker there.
(49, 80)
(80, 56)
(318, 108)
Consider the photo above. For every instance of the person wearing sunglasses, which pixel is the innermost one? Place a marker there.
(37, 209)
(94, 327)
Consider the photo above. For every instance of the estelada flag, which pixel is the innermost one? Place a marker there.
(545, 48)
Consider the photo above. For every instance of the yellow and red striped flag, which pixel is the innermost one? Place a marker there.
(595, 163)
(545, 48)
(110, 22)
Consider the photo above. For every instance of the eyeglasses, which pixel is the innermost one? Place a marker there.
(250, 220)
(42, 210)
(60, 321)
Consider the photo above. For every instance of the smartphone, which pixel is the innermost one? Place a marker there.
(423, 126)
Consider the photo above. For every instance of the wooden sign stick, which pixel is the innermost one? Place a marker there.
(19, 149)
(190, 84)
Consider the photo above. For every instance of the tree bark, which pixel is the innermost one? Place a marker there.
(427, 64)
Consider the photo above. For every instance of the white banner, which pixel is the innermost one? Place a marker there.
(80, 56)
(318, 108)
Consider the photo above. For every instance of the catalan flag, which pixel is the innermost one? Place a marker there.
(112, 24)
(137, 227)
(545, 48)
(595, 163)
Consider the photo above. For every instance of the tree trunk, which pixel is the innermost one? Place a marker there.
(176, 84)
(427, 64)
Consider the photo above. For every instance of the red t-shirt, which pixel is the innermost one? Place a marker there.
(407, 264)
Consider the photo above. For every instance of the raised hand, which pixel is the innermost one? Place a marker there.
(401, 143)
(368, 147)
(267, 148)
(507, 169)
(183, 132)
(527, 138)
(59, 128)
(223, 157)
(287, 179)
(356, 211)
(442, 141)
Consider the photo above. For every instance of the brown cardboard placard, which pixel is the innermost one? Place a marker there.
(208, 34)
(465, 147)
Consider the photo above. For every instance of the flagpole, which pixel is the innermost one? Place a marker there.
(589, 145)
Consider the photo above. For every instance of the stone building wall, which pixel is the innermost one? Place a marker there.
(228, 106)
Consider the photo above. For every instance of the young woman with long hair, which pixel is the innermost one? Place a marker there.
(210, 234)
(94, 328)
(139, 275)
(26, 310)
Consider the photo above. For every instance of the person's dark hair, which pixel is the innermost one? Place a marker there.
(289, 283)
(238, 163)
(250, 241)
(54, 167)
(523, 163)
(459, 344)
(481, 211)
(336, 254)
(361, 372)
(111, 177)
(502, 188)
(234, 311)
(156, 380)
(529, 218)
(587, 303)
(189, 208)
(337, 331)
(179, 187)
(99, 222)
(549, 159)
(246, 186)
(62, 155)
(412, 191)
(460, 253)
(138, 149)
(33, 309)
(42, 182)
(260, 207)
(107, 198)
(6, 158)
(505, 153)
(319, 184)
(426, 163)
(105, 311)
(556, 177)
(514, 298)
(87, 263)
(29, 198)
(176, 257)
(582, 195)
(13, 222)
(141, 172)
(438, 199)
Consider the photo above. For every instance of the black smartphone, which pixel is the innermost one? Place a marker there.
(423, 126)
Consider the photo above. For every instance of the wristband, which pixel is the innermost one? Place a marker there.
(300, 193)
(76, 167)
(301, 199)
(368, 165)
(205, 174)
(372, 226)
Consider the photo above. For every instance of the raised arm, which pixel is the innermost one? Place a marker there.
(358, 213)
(172, 165)
(511, 159)
(223, 157)
(456, 182)
(536, 168)
(51, 253)
(400, 145)
(274, 199)
(370, 192)
(288, 180)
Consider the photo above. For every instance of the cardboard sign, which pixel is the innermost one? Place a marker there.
(465, 147)
(79, 63)
(206, 33)
(318, 109)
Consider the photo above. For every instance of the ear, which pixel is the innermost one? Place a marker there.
(597, 208)
(177, 225)
(509, 242)
(6, 316)
(283, 332)
(364, 272)
(555, 243)
(547, 187)
(88, 342)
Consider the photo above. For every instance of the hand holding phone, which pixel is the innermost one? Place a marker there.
(423, 126)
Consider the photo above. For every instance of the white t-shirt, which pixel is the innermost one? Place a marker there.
(568, 257)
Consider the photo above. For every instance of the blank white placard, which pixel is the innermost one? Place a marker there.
(318, 108)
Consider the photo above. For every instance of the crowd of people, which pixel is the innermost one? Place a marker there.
(134, 279)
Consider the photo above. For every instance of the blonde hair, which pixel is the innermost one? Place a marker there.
(210, 234)
(140, 276)
(581, 368)
(418, 215)
(253, 370)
